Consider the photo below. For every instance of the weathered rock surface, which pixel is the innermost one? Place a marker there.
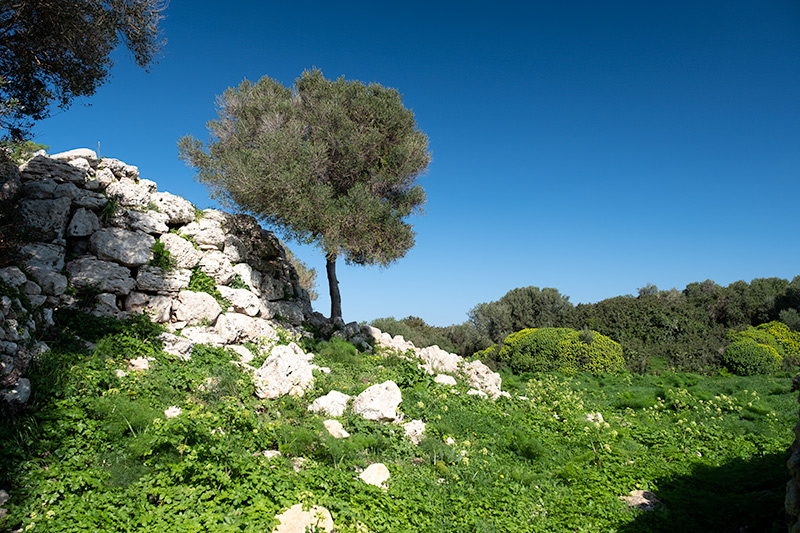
(379, 402)
(287, 370)
(332, 404)
(296, 520)
(90, 272)
(375, 474)
(128, 248)
(195, 308)
(335, 429)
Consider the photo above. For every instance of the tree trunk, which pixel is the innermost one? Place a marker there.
(333, 285)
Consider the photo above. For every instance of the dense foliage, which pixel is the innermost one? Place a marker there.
(96, 450)
(658, 330)
(51, 50)
(330, 162)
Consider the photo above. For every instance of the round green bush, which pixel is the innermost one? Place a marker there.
(560, 349)
(746, 357)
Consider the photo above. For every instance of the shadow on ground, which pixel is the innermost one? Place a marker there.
(741, 496)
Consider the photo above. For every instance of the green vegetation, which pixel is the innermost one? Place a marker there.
(329, 162)
(202, 282)
(59, 51)
(96, 450)
(560, 349)
(658, 330)
(162, 258)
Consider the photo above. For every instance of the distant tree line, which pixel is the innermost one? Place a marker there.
(658, 329)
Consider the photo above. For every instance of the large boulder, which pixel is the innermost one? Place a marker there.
(182, 251)
(242, 300)
(43, 255)
(379, 402)
(155, 279)
(89, 272)
(129, 248)
(196, 307)
(128, 193)
(206, 232)
(158, 306)
(83, 223)
(332, 404)
(177, 209)
(45, 220)
(287, 370)
(236, 328)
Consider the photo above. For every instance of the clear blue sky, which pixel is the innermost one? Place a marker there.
(594, 147)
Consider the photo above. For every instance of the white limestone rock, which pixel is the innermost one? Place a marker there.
(196, 307)
(184, 253)
(44, 219)
(332, 404)
(78, 153)
(444, 379)
(52, 282)
(335, 429)
(414, 430)
(43, 255)
(13, 276)
(89, 200)
(217, 265)
(297, 520)
(86, 272)
(245, 355)
(125, 247)
(128, 193)
(178, 210)
(43, 167)
(177, 346)
(158, 306)
(106, 305)
(287, 370)
(242, 300)
(236, 328)
(155, 279)
(439, 360)
(119, 169)
(83, 223)
(484, 379)
(207, 233)
(379, 402)
(375, 474)
(146, 221)
(250, 276)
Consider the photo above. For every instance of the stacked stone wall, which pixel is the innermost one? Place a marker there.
(86, 229)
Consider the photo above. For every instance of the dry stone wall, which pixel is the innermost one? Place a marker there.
(90, 226)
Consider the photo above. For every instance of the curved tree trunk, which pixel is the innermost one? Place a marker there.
(333, 285)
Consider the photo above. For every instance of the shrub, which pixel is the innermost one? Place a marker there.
(560, 349)
(747, 357)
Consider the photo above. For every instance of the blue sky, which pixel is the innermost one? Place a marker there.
(594, 147)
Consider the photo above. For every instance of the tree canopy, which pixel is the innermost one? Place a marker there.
(56, 50)
(330, 162)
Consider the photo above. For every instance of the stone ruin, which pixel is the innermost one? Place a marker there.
(89, 227)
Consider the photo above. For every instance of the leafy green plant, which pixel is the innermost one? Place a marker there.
(162, 258)
(110, 209)
(202, 282)
(238, 283)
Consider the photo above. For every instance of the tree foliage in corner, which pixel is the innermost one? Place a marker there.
(329, 162)
(57, 50)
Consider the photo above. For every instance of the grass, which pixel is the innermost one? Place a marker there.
(96, 451)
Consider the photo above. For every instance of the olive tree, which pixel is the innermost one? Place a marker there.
(57, 50)
(329, 162)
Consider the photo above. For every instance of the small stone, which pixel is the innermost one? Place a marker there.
(296, 520)
(335, 429)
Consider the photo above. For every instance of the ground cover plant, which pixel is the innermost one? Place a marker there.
(96, 449)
